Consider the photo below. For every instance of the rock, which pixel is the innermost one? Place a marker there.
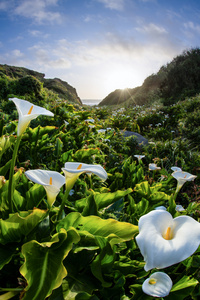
(141, 140)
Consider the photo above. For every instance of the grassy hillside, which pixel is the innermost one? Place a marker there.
(19, 81)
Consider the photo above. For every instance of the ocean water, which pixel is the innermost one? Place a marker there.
(91, 102)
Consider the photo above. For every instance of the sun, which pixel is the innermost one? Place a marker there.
(120, 77)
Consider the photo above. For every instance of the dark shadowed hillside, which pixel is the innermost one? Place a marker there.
(58, 86)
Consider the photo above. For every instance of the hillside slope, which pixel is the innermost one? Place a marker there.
(58, 86)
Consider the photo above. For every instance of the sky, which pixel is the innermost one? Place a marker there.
(97, 46)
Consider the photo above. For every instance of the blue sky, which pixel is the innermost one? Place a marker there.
(97, 46)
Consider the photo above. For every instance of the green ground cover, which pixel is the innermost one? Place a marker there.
(83, 244)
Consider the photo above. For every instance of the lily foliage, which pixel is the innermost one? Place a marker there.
(83, 223)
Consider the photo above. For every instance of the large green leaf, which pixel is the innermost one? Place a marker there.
(34, 196)
(103, 199)
(104, 261)
(182, 288)
(109, 228)
(43, 267)
(90, 207)
(19, 225)
(183, 283)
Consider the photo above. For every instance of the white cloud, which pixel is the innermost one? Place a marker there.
(35, 33)
(42, 55)
(152, 29)
(191, 26)
(17, 53)
(38, 10)
(113, 4)
(38, 34)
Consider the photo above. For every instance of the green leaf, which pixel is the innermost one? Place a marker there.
(104, 261)
(109, 228)
(19, 201)
(4, 205)
(19, 225)
(8, 295)
(90, 207)
(143, 189)
(82, 154)
(5, 168)
(6, 254)
(66, 156)
(34, 196)
(182, 288)
(136, 290)
(58, 147)
(43, 267)
(103, 200)
(105, 233)
(159, 196)
(172, 205)
(183, 283)
(74, 289)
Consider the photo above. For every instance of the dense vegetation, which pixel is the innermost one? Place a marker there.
(99, 266)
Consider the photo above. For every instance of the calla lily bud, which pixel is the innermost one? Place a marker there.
(158, 284)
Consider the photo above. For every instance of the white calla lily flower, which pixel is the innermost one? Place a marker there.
(101, 130)
(90, 120)
(27, 112)
(176, 169)
(158, 284)
(73, 170)
(164, 241)
(181, 178)
(179, 208)
(160, 208)
(51, 180)
(139, 157)
(153, 167)
(66, 123)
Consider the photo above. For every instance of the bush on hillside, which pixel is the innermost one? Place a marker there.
(27, 86)
(182, 77)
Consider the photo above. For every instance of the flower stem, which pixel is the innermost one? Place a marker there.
(10, 184)
(63, 203)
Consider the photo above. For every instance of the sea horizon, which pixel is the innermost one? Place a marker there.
(91, 102)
